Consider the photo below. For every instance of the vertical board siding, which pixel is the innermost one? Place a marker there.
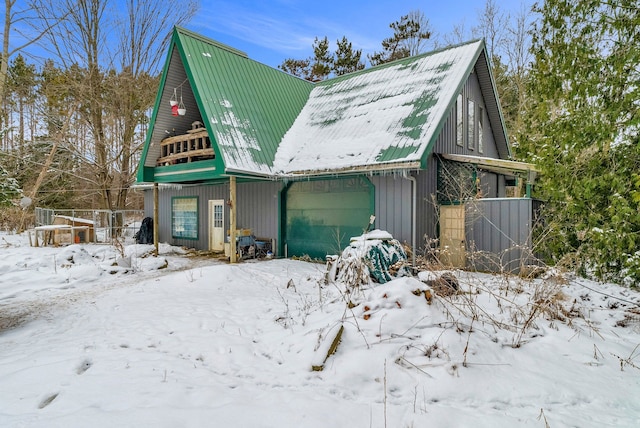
(446, 142)
(426, 207)
(393, 206)
(499, 234)
(489, 184)
(257, 205)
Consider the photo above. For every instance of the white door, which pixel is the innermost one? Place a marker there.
(452, 235)
(216, 225)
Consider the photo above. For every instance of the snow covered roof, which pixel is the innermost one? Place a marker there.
(263, 122)
(380, 116)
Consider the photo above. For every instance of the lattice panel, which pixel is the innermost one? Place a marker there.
(457, 181)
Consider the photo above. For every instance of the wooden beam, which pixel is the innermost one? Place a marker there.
(232, 219)
(156, 216)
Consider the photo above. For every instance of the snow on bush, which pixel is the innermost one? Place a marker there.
(373, 255)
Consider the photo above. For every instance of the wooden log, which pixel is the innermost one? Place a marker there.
(323, 352)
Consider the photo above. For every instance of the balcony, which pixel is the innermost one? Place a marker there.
(190, 147)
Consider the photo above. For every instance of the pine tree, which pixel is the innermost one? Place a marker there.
(22, 84)
(297, 67)
(346, 59)
(409, 34)
(583, 127)
(10, 191)
(324, 63)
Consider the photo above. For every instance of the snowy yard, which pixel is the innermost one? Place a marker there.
(179, 341)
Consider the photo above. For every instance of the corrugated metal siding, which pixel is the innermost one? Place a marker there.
(490, 185)
(499, 234)
(446, 142)
(258, 206)
(257, 210)
(393, 206)
(492, 110)
(426, 208)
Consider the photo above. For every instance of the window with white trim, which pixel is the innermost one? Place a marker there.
(471, 124)
(184, 217)
(480, 130)
(459, 122)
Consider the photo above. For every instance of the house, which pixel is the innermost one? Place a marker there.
(418, 143)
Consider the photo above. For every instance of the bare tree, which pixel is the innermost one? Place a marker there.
(18, 21)
(113, 80)
(459, 34)
(12, 18)
(143, 34)
(492, 27)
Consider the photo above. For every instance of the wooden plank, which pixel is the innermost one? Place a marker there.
(188, 155)
(184, 137)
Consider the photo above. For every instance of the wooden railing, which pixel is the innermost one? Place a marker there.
(190, 147)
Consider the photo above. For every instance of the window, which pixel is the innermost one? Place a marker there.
(472, 124)
(480, 129)
(184, 217)
(459, 122)
(218, 215)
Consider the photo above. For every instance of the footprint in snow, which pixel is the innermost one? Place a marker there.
(47, 400)
(84, 366)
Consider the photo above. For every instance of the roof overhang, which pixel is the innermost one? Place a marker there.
(380, 168)
(500, 166)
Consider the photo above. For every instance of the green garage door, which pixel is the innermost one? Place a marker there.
(322, 215)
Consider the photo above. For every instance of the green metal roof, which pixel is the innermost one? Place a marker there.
(264, 122)
(246, 106)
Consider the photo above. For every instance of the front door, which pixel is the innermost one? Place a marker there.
(452, 236)
(216, 225)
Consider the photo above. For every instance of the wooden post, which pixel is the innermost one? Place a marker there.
(232, 219)
(156, 216)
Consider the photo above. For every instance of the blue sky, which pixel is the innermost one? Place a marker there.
(272, 31)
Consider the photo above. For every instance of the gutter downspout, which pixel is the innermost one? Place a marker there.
(414, 197)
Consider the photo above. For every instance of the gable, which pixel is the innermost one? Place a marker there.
(245, 106)
(384, 117)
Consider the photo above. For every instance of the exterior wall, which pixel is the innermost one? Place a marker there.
(499, 233)
(257, 209)
(490, 185)
(426, 204)
(393, 194)
(447, 141)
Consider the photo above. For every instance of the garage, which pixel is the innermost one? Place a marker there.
(322, 215)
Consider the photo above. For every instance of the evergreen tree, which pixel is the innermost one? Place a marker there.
(297, 67)
(347, 60)
(10, 191)
(22, 85)
(324, 63)
(409, 34)
(582, 128)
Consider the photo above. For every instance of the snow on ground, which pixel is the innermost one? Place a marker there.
(90, 336)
